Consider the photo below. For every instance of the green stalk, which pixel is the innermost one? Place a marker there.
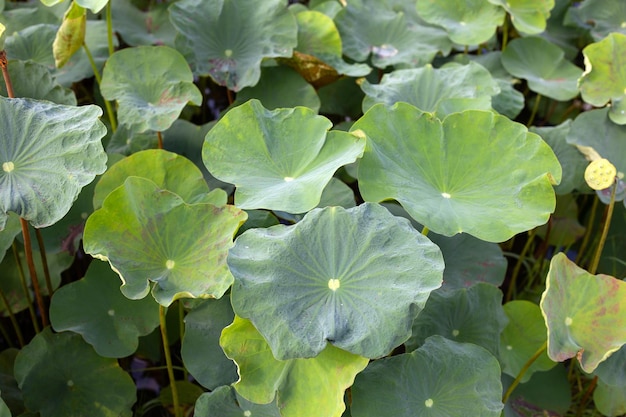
(425, 231)
(5, 74)
(44, 262)
(20, 269)
(168, 361)
(605, 231)
(505, 32)
(28, 250)
(96, 74)
(181, 326)
(159, 140)
(110, 28)
(523, 371)
(518, 265)
(534, 112)
(16, 327)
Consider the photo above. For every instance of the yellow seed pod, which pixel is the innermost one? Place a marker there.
(600, 174)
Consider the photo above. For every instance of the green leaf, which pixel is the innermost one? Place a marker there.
(226, 402)
(285, 157)
(466, 315)
(201, 352)
(547, 393)
(544, 66)
(432, 168)
(440, 379)
(71, 35)
(522, 337)
(601, 17)
(95, 308)
(151, 84)
(33, 80)
(302, 387)
(312, 283)
(48, 152)
(604, 79)
(154, 250)
(147, 26)
(59, 372)
(168, 170)
(528, 16)
(94, 5)
(2, 29)
(468, 22)
(610, 399)
(611, 371)
(577, 324)
(9, 230)
(227, 39)
(449, 89)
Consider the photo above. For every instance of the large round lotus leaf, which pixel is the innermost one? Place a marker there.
(610, 400)
(476, 172)
(95, 308)
(601, 17)
(285, 157)
(168, 170)
(147, 26)
(443, 378)
(528, 16)
(59, 375)
(571, 160)
(152, 247)
(32, 43)
(281, 87)
(301, 387)
(472, 315)
(312, 283)
(544, 66)
(226, 402)
(521, 338)
(594, 129)
(604, 79)
(445, 90)
(48, 152)
(227, 39)
(468, 22)
(612, 371)
(33, 80)
(578, 323)
(389, 35)
(201, 352)
(152, 85)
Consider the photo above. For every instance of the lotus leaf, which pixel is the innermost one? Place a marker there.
(150, 219)
(290, 383)
(227, 39)
(439, 379)
(602, 17)
(430, 167)
(33, 80)
(48, 152)
(611, 371)
(610, 399)
(149, 26)
(578, 325)
(226, 402)
(286, 156)
(71, 35)
(9, 230)
(310, 284)
(151, 84)
(528, 16)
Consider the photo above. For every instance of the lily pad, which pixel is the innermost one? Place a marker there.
(466, 315)
(286, 156)
(522, 337)
(95, 308)
(149, 26)
(57, 371)
(439, 379)
(310, 284)
(468, 22)
(201, 352)
(152, 85)
(227, 39)
(528, 16)
(601, 17)
(33, 80)
(153, 249)
(430, 167)
(604, 79)
(611, 371)
(168, 170)
(577, 324)
(9, 230)
(544, 66)
(226, 402)
(301, 387)
(610, 399)
(449, 89)
(48, 152)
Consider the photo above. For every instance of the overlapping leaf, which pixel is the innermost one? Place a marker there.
(226, 402)
(33, 80)
(578, 325)
(452, 177)
(285, 157)
(301, 387)
(311, 284)
(528, 16)
(153, 249)
(601, 17)
(48, 152)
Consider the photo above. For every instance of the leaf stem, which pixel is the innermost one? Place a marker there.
(16, 327)
(523, 371)
(181, 325)
(110, 28)
(518, 265)
(44, 262)
(425, 231)
(28, 250)
(96, 74)
(229, 95)
(5, 73)
(606, 224)
(534, 111)
(168, 360)
(29, 301)
(588, 391)
(505, 32)
(159, 140)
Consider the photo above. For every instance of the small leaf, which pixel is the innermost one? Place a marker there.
(528, 16)
(94, 5)
(577, 324)
(33, 80)
(71, 34)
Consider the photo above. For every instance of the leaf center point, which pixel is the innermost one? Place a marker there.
(288, 179)
(8, 166)
(445, 195)
(568, 321)
(333, 284)
(429, 403)
(170, 264)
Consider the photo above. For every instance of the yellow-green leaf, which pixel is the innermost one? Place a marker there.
(71, 35)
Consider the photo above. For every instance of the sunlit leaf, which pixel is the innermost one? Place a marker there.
(147, 26)
(33, 80)
(71, 35)
(528, 16)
